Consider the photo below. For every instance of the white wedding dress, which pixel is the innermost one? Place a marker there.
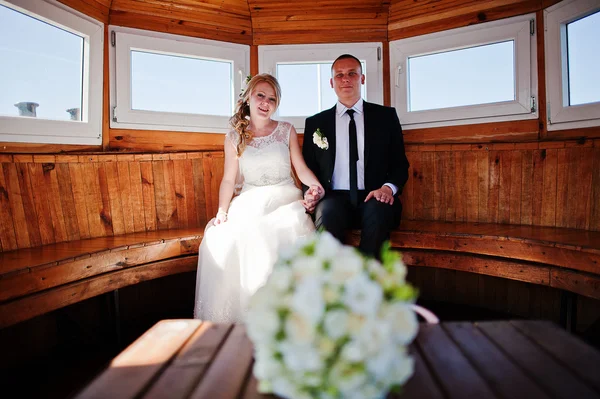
(237, 256)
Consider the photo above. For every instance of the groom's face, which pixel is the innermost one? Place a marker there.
(346, 81)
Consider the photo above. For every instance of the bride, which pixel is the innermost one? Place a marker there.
(241, 243)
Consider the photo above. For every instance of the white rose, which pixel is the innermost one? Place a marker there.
(266, 367)
(346, 265)
(331, 294)
(301, 358)
(362, 295)
(299, 329)
(336, 323)
(304, 267)
(345, 379)
(402, 368)
(375, 335)
(356, 323)
(284, 387)
(308, 300)
(327, 246)
(379, 365)
(281, 278)
(404, 322)
(368, 390)
(262, 325)
(354, 351)
(326, 346)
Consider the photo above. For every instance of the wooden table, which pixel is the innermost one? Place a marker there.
(505, 359)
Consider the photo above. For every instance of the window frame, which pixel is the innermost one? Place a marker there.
(127, 39)
(561, 116)
(526, 84)
(270, 55)
(88, 131)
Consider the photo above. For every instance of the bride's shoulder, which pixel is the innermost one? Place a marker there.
(284, 126)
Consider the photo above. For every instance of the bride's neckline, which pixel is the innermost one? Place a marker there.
(267, 135)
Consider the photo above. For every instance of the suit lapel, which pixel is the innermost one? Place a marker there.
(369, 131)
(329, 130)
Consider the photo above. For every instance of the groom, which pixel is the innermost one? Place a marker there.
(361, 164)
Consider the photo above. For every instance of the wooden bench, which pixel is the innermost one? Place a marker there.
(38, 280)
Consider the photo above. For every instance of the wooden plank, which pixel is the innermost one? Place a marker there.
(131, 371)
(40, 201)
(125, 192)
(79, 194)
(8, 237)
(11, 184)
(418, 187)
(162, 213)
(34, 305)
(137, 201)
(454, 371)
(407, 191)
(450, 187)
(512, 131)
(180, 193)
(199, 192)
(106, 212)
(504, 187)
(148, 195)
(562, 188)
(422, 384)
(67, 201)
(170, 195)
(527, 187)
(595, 201)
(537, 186)
(439, 200)
(578, 356)
(483, 182)
(191, 363)
(584, 187)
(549, 189)
(492, 363)
(516, 175)
(539, 365)
(93, 199)
(460, 178)
(230, 364)
(471, 202)
(113, 185)
(190, 202)
(58, 216)
(579, 283)
(428, 171)
(33, 228)
(494, 186)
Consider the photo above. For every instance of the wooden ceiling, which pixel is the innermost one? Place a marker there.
(302, 21)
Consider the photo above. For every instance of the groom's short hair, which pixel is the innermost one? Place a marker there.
(346, 56)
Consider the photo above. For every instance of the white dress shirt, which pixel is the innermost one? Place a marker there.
(341, 169)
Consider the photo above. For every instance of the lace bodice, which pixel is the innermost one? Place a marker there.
(266, 160)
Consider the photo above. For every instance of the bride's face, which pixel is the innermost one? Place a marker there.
(263, 101)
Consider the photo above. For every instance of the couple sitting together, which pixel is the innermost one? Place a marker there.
(352, 172)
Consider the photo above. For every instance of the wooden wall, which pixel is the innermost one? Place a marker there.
(53, 198)
(542, 184)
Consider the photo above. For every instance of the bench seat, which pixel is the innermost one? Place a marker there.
(37, 280)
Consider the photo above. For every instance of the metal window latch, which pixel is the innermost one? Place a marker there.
(114, 110)
(533, 105)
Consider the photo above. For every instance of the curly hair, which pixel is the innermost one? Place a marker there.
(241, 118)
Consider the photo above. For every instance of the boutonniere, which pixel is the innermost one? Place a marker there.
(320, 140)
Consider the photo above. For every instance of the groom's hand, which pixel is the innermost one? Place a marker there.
(383, 194)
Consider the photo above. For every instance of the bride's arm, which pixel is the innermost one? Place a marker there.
(304, 173)
(228, 182)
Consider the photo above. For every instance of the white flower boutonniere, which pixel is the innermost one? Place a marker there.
(320, 140)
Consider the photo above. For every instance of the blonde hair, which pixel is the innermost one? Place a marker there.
(241, 118)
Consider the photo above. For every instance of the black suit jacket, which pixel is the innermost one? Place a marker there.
(385, 158)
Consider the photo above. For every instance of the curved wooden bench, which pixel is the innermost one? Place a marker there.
(566, 259)
(35, 281)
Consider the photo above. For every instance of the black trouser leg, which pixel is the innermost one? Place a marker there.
(333, 214)
(377, 220)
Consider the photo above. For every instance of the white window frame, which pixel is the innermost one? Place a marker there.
(88, 131)
(517, 29)
(271, 55)
(560, 114)
(127, 39)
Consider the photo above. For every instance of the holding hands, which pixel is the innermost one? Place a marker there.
(220, 218)
(312, 196)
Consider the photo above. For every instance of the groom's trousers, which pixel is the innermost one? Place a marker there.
(336, 214)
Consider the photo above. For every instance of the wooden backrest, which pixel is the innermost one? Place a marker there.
(48, 199)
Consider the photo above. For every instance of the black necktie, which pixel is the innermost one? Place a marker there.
(353, 159)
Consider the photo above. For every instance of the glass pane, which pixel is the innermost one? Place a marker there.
(584, 57)
(41, 72)
(475, 75)
(169, 83)
(306, 89)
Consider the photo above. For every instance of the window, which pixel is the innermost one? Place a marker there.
(50, 74)
(476, 74)
(168, 82)
(304, 71)
(572, 58)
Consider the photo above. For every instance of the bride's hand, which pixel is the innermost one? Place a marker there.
(220, 218)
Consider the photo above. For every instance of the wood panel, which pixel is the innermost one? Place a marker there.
(507, 183)
(48, 199)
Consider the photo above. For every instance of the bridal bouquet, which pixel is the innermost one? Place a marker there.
(331, 323)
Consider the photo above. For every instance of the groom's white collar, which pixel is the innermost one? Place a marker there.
(341, 109)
